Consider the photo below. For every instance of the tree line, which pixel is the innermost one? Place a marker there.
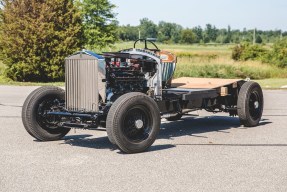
(37, 35)
(167, 32)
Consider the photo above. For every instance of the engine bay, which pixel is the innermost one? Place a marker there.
(128, 73)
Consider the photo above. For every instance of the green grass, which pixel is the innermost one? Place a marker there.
(215, 61)
(207, 47)
(272, 83)
(221, 67)
(14, 83)
(199, 61)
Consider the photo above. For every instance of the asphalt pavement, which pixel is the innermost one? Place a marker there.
(208, 152)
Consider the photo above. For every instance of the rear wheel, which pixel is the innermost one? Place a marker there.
(34, 114)
(133, 122)
(250, 104)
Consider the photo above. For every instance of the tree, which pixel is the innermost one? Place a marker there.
(148, 28)
(100, 25)
(222, 36)
(198, 34)
(258, 39)
(187, 36)
(236, 36)
(128, 33)
(169, 32)
(36, 36)
(210, 33)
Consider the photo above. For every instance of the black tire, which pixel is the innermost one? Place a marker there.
(32, 120)
(175, 118)
(133, 122)
(250, 104)
(109, 128)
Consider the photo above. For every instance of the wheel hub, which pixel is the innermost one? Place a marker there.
(256, 104)
(139, 124)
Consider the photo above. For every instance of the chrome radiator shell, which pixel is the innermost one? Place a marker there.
(83, 76)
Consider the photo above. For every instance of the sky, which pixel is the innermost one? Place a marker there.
(239, 14)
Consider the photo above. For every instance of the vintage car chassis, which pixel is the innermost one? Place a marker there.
(128, 93)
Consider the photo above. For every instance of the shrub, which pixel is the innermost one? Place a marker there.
(247, 51)
(36, 36)
(259, 39)
(278, 54)
(237, 52)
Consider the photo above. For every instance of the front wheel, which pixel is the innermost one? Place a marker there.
(133, 122)
(250, 104)
(34, 114)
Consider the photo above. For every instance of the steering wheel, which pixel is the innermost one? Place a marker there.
(145, 45)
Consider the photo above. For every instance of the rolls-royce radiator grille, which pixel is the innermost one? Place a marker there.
(82, 92)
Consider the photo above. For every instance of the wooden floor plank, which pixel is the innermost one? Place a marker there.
(208, 83)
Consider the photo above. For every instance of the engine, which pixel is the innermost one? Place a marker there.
(128, 74)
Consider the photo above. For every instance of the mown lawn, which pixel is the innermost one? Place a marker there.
(273, 83)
